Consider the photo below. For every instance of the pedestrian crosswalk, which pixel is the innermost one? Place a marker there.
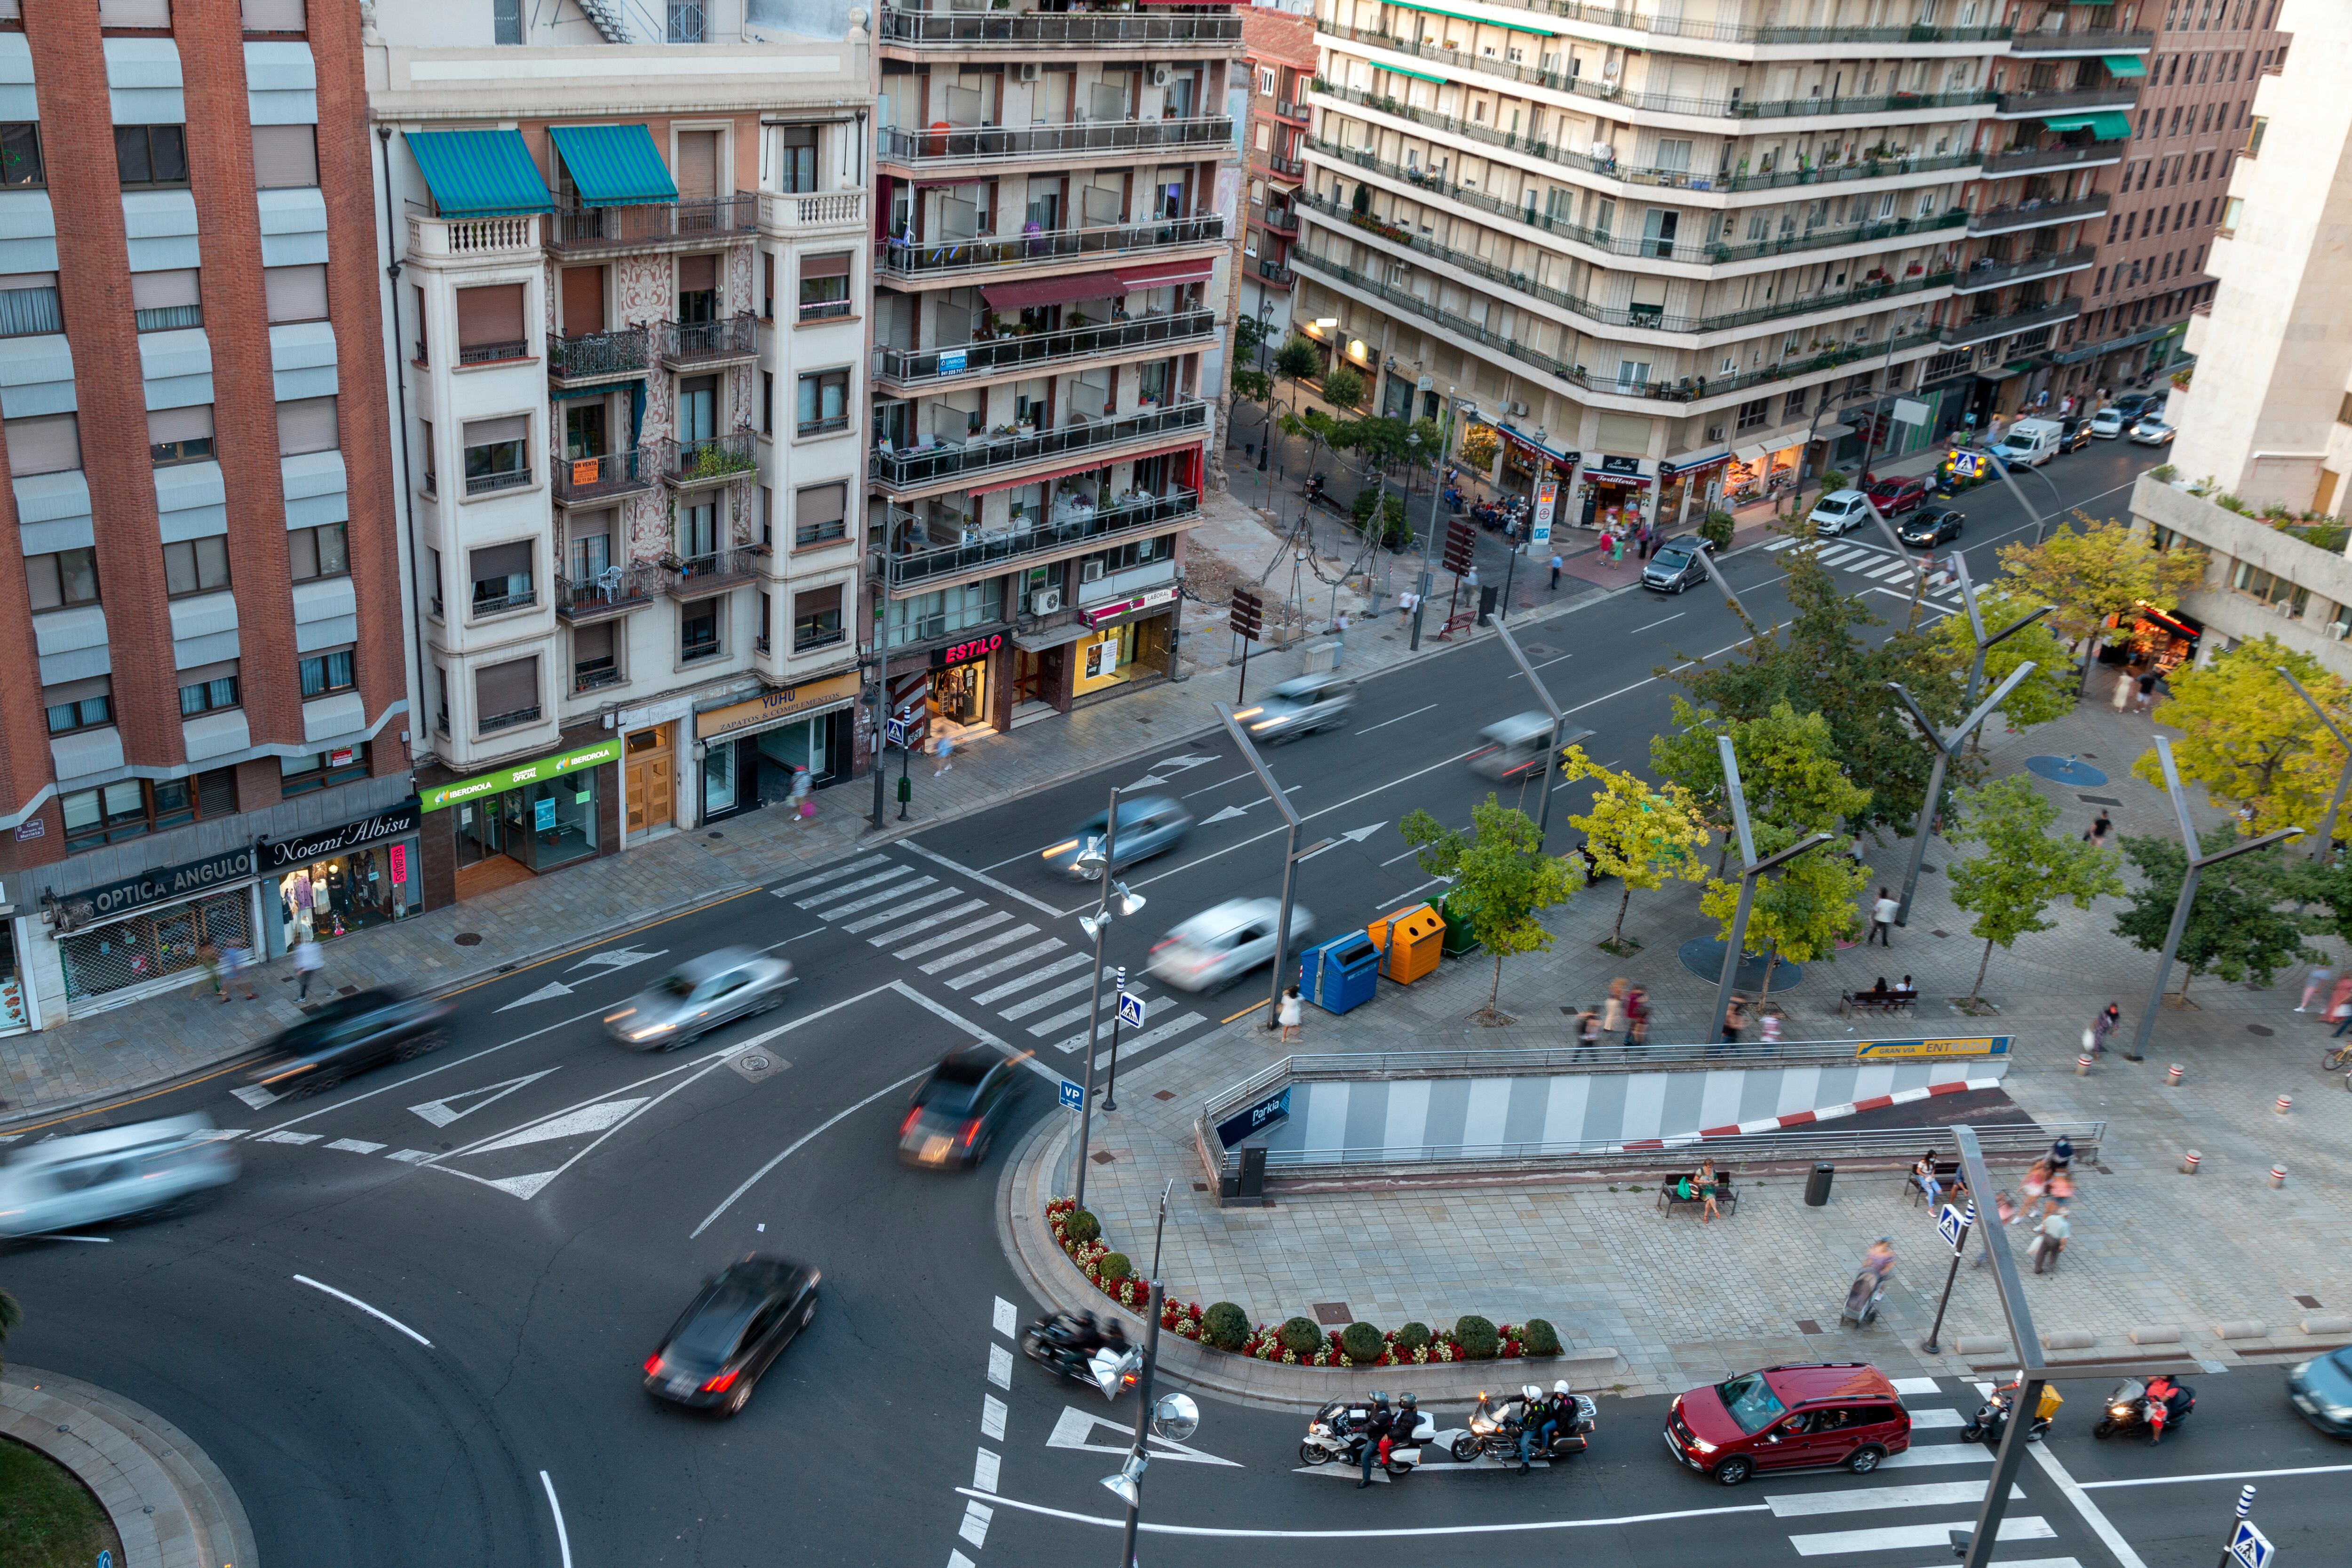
(1877, 565)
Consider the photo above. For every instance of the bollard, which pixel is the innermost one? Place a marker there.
(2189, 1163)
(2173, 1075)
(2286, 1104)
(2278, 1175)
(2083, 1065)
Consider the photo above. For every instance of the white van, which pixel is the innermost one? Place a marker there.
(2031, 442)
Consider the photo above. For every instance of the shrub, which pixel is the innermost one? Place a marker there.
(1343, 388)
(2163, 473)
(1716, 526)
(1832, 480)
(1367, 502)
(1113, 1266)
(1225, 1326)
(1413, 1336)
(1081, 1226)
(1540, 1337)
(1477, 1338)
(1300, 1336)
(1361, 1343)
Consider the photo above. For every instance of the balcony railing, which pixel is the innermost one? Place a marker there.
(699, 576)
(709, 461)
(1019, 351)
(509, 720)
(996, 144)
(1992, 275)
(933, 258)
(1091, 30)
(1289, 168)
(1289, 110)
(615, 592)
(471, 237)
(493, 353)
(2058, 156)
(1746, 33)
(1684, 389)
(2086, 41)
(603, 476)
(1985, 329)
(1608, 90)
(596, 676)
(659, 223)
(1274, 272)
(1281, 220)
(592, 356)
(705, 342)
(499, 603)
(986, 455)
(1005, 548)
(497, 480)
(1862, 168)
(798, 212)
(2036, 214)
(2112, 95)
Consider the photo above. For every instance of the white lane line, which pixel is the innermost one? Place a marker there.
(999, 1367)
(1647, 680)
(895, 894)
(1677, 615)
(901, 910)
(354, 1146)
(410, 1156)
(1783, 543)
(1934, 1419)
(847, 888)
(901, 932)
(2097, 1520)
(1143, 1043)
(1221, 784)
(1910, 1537)
(1149, 1527)
(970, 928)
(1004, 1318)
(984, 1466)
(363, 1306)
(835, 875)
(562, 1537)
(255, 1095)
(992, 1413)
(1928, 1494)
(795, 1147)
(1916, 1386)
(1044, 998)
(1033, 977)
(1915, 1457)
(1011, 961)
(2217, 1476)
(288, 1138)
(983, 878)
(1386, 722)
(984, 945)
(974, 1527)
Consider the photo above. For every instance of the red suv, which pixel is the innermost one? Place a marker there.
(1808, 1416)
(1894, 496)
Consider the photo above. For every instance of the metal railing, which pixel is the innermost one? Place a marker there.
(991, 144)
(2083, 41)
(493, 353)
(697, 576)
(2046, 101)
(1747, 33)
(597, 680)
(656, 223)
(709, 460)
(1292, 167)
(1011, 546)
(593, 598)
(1985, 329)
(918, 258)
(1273, 271)
(497, 480)
(2058, 156)
(1982, 277)
(825, 310)
(605, 474)
(584, 356)
(1281, 220)
(984, 455)
(1023, 349)
(507, 720)
(2037, 215)
(697, 343)
(498, 604)
(1092, 30)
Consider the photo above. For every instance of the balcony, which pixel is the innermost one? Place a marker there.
(915, 368)
(994, 455)
(713, 460)
(2074, 101)
(1987, 275)
(986, 554)
(1012, 32)
(2086, 41)
(986, 146)
(1672, 27)
(1287, 108)
(490, 722)
(808, 213)
(471, 238)
(954, 258)
(2036, 214)
(603, 673)
(615, 592)
(699, 576)
(582, 230)
(1275, 273)
(2059, 155)
(1985, 329)
(585, 357)
(1281, 220)
(583, 482)
(1282, 168)
(688, 344)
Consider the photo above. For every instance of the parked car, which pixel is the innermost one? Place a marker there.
(958, 1108)
(1894, 496)
(2108, 423)
(2074, 433)
(1300, 706)
(2029, 443)
(699, 996)
(2132, 405)
(1927, 527)
(1840, 511)
(1811, 1416)
(1225, 942)
(731, 1332)
(1148, 824)
(1514, 746)
(351, 1035)
(88, 1178)
(1674, 567)
(2321, 1389)
(2151, 431)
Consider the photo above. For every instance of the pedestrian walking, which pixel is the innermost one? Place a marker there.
(1637, 1017)
(2318, 980)
(2004, 1210)
(209, 957)
(2121, 701)
(2103, 1025)
(1556, 565)
(2061, 1153)
(2096, 834)
(2339, 1001)
(2050, 1240)
(1588, 1028)
(1649, 537)
(1767, 1025)
(308, 961)
(802, 809)
(1287, 1016)
(2036, 1187)
(236, 964)
(2147, 690)
(1617, 552)
(943, 749)
(1612, 1010)
(1405, 602)
(1339, 637)
(1607, 538)
(1882, 920)
(1734, 1019)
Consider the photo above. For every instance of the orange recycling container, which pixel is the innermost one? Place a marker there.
(1410, 941)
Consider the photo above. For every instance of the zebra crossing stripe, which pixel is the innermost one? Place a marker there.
(1781, 543)
(1012, 961)
(1102, 1026)
(822, 877)
(1060, 1020)
(986, 944)
(1033, 977)
(1044, 998)
(1911, 1537)
(1900, 569)
(904, 906)
(847, 888)
(926, 923)
(1145, 1041)
(892, 894)
(970, 928)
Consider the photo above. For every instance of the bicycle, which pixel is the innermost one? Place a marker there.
(2337, 1060)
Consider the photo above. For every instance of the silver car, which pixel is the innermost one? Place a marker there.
(1219, 945)
(1148, 824)
(699, 996)
(1299, 706)
(1514, 747)
(87, 1178)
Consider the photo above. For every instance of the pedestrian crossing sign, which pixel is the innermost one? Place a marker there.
(1130, 1009)
(894, 731)
(1950, 1223)
(2249, 1546)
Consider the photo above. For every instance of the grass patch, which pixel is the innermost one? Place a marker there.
(47, 1518)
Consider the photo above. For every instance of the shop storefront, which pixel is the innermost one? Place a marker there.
(1616, 494)
(17, 1007)
(1524, 459)
(1758, 472)
(501, 826)
(328, 884)
(128, 939)
(962, 679)
(2159, 640)
(751, 750)
(1689, 489)
(1125, 642)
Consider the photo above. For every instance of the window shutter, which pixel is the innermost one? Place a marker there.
(834, 266)
(285, 155)
(696, 274)
(502, 561)
(50, 444)
(492, 314)
(583, 299)
(591, 642)
(697, 165)
(818, 601)
(179, 423)
(296, 293)
(507, 687)
(306, 424)
(490, 432)
(163, 291)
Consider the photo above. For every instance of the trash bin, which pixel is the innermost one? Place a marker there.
(1342, 973)
(1817, 1186)
(1458, 939)
(1410, 941)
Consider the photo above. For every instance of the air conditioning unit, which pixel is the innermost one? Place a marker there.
(1027, 70)
(1045, 601)
(1162, 75)
(1091, 573)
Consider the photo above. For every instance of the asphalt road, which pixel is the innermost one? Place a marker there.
(412, 1331)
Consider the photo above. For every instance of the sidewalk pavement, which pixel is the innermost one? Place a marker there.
(2233, 1271)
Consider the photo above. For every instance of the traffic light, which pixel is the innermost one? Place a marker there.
(1461, 546)
(1248, 614)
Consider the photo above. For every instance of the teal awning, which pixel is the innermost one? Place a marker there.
(1417, 76)
(1536, 28)
(2124, 65)
(479, 174)
(2108, 125)
(613, 165)
(2064, 122)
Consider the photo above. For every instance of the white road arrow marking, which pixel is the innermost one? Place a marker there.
(255, 1095)
(1227, 815)
(1076, 1429)
(546, 993)
(1178, 765)
(619, 958)
(1357, 835)
(587, 1119)
(1148, 781)
(441, 1112)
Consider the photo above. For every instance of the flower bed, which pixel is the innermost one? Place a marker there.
(1294, 1342)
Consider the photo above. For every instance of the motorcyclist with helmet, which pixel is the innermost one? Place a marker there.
(1374, 1435)
(1534, 1415)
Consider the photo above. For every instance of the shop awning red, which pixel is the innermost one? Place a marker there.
(1052, 290)
(1166, 274)
(1049, 476)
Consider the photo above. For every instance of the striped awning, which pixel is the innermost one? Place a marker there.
(2124, 65)
(614, 166)
(479, 174)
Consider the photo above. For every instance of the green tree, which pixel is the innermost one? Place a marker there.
(2250, 740)
(2047, 694)
(1254, 384)
(2237, 926)
(2103, 570)
(1644, 835)
(1297, 359)
(2023, 868)
(1342, 387)
(1249, 334)
(1801, 907)
(1501, 877)
(1788, 769)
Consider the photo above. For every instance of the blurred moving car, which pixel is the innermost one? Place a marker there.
(1840, 511)
(699, 996)
(2132, 405)
(1514, 746)
(1225, 942)
(351, 1035)
(958, 1108)
(1674, 567)
(2151, 431)
(87, 1178)
(1299, 706)
(2073, 433)
(2321, 1389)
(1148, 824)
(2108, 423)
(731, 1332)
(1929, 527)
(1892, 496)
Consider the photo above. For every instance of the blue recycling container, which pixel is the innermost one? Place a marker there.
(1342, 973)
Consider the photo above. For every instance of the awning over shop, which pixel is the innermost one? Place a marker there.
(2124, 65)
(614, 166)
(1531, 444)
(1166, 274)
(1675, 466)
(1754, 454)
(479, 174)
(1052, 290)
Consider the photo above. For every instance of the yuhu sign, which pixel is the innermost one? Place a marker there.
(161, 886)
(439, 796)
(779, 703)
(1111, 612)
(965, 652)
(401, 819)
(1255, 1118)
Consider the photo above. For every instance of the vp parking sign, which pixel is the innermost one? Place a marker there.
(1073, 1095)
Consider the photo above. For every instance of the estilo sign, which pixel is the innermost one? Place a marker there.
(965, 652)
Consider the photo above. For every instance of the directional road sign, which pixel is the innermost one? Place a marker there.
(2249, 1546)
(1949, 1223)
(1073, 1096)
(1130, 1009)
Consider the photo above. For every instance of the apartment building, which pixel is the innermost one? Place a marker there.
(2256, 479)
(1277, 70)
(2149, 272)
(208, 705)
(629, 328)
(1055, 187)
(1676, 258)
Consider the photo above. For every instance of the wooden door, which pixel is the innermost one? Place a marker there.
(651, 789)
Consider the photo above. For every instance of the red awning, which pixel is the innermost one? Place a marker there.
(1166, 273)
(1052, 290)
(1089, 467)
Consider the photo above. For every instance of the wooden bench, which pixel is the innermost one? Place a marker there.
(1726, 1200)
(1877, 1003)
(1947, 1173)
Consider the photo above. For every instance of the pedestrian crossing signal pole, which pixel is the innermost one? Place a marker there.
(1960, 1246)
(2245, 1507)
(1119, 1011)
(1095, 928)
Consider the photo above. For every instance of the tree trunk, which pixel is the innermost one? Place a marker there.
(1772, 962)
(1975, 993)
(1496, 990)
(2186, 974)
(1617, 931)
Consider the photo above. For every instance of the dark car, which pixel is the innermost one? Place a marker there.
(746, 1314)
(351, 1035)
(2132, 405)
(2322, 1390)
(2073, 433)
(1924, 528)
(1806, 1416)
(1898, 495)
(958, 1109)
(1674, 567)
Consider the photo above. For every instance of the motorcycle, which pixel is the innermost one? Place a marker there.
(1992, 1416)
(2129, 1406)
(1054, 1343)
(1496, 1422)
(1337, 1433)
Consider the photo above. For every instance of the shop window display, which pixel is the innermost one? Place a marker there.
(333, 896)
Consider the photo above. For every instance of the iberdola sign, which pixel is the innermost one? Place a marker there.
(439, 796)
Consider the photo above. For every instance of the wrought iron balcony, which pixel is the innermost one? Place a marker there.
(572, 230)
(1985, 329)
(2081, 41)
(1007, 549)
(2058, 156)
(1077, 29)
(989, 145)
(1274, 272)
(686, 343)
(583, 357)
(1993, 274)
(2074, 101)
(1676, 27)
(2037, 215)
(490, 722)
(616, 590)
(994, 454)
(1282, 220)
(1288, 168)
(714, 460)
(909, 367)
(949, 257)
(699, 576)
(582, 480)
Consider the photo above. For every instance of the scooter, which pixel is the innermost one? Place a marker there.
(1337, 1433)
(1497, 1420)
(1113, 1367)
(2129, 1406)
(1992, 1416)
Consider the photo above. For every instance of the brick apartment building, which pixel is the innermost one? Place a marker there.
(1278, 70)
(208, 703)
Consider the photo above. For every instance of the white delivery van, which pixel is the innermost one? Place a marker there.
(2031, 442)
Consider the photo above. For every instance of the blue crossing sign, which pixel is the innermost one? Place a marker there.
(1130, 1009)
(1951, 1224)
(894, 731)
(2249, 1546)
(1073, 1095)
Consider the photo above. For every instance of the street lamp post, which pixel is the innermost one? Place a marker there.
(1291, 856)
(1559, 740)
(1947, 747)
(1437, 491)
(1096, 926)
(1173, 1417)
(1119, 992)
(1750, 868)
(2343, 780)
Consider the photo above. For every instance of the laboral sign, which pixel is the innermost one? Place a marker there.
(1111, 612)
(439, 796)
